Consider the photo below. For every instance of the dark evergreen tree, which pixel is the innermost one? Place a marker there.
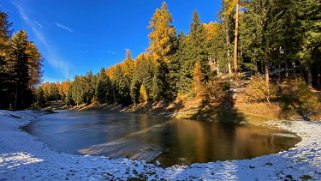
(17, 68)
(101, 88)
(134, 90)
(195, 50)
(68, 100)
(5, 32)
(40, 101)
(159, 82)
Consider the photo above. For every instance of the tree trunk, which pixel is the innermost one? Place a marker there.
(267, 71)
(229, 68)
(228, 50)
(319, 77)
(16, 97)
(279, 72)
(236, 38)
(294, 71)
(286, 68)
(309, 75)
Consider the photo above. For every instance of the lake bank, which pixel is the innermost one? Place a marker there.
(24, 157)
(208, 112)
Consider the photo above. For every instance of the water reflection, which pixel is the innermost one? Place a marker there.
(152, 138)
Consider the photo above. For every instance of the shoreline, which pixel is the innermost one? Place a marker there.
(24, 157)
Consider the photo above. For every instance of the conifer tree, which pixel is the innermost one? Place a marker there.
(310, 30)
(101, 87)
(68, 99)
(5, 31)
(18, 70)
(226, 16)
(134, 90)
(40, 101)
(194, 51)
(159, 83)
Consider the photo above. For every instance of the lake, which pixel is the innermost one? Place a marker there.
(155, 138)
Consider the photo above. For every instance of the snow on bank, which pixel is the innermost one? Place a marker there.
(23, 157)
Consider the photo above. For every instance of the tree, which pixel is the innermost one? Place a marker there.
(226, 16)
(35, 65)
(101, 87)
(121, 86)
(128, 67)
(40, 98)
(18, 70)
(143, 74)
(159, 83)
(163, 34)
(68, 100)
(5, 31)
(143, 96)
(257, 33)
(198, 78)
(236, 37)
(134, 90)
(195, 49)
(310, 31)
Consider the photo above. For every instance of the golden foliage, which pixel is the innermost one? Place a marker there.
(143, 96)
(198, 79)
(211, 30)
(258, 90)
(162, 34)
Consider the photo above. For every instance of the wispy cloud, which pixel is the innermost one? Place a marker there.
(64, 27)
(52, 57)
(111, 52)
(39, 25)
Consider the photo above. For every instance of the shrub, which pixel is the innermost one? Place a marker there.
(257, 90)
(217, 88)
(296, 94)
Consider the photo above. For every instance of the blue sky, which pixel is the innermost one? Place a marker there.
(75, 36)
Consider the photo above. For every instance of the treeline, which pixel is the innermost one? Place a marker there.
(278, 39)
(20, 67)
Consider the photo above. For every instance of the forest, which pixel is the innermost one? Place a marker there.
(20, 67)
(275, 44)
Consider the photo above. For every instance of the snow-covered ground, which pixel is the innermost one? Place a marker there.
(23, 157)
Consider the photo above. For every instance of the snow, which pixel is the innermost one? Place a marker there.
(23, 157)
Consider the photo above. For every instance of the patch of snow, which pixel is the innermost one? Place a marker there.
(23, 157)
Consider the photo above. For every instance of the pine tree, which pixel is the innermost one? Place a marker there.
(68, 100)
(121, 86)
(144, 70)
(18, 70)
(134, 90)
(226, 15)
(101, 87)
(159, 84)
(194, 51)
(40, 101)
(310, 30)
(109, 97)
(256, 34)
(4, 48)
